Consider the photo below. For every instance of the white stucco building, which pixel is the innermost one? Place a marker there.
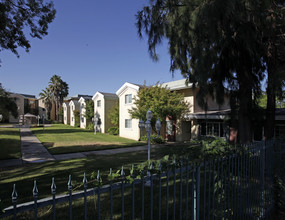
(82, 103)
(128, 127)
(74, 105)
(103, 103)
(66, 113)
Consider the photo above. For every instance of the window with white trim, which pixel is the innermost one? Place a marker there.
(99, 103)
(128, 99)
(128, 123)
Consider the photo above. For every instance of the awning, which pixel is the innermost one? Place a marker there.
(214, 115)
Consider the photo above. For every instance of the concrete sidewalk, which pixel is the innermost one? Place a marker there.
(34, 152)
(32, 149)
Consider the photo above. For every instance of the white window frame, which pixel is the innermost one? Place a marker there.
(99, 103)
(128, 123)
(128, 98)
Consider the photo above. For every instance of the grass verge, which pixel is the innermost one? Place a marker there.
(61, 139)
(10, 143)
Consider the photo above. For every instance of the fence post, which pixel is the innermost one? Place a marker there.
(14, 200)
(69, 187)
(262, 167)
(85, 196)
(197, 192)
(53, 192)
(35, 195)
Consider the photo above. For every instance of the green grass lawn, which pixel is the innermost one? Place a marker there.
(10, 143)
(43, 172)
(60, 139)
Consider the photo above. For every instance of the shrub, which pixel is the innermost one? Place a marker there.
(154, 139)
(90, 126)
(113, 130)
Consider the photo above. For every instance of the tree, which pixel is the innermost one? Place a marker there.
(89, 112)
(59, 90)
(114, 115)
(19, 17)
(161, 101)
(7, 104)
(273, 33)
(46, 96)
(217, 45)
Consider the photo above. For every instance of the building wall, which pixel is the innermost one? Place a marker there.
(188, 98)
(99, 112)
(212, 105)
(82, 114)
(133, 132)
(74, 105)
(66, 113)
(42, 108)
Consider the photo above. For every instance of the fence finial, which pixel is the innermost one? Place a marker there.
(53, 186)
(122, 171)
(69, 184)
(159, 166)
(35, 189)
(84, 180)
(14, 194)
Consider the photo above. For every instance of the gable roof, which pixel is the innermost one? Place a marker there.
(128, 85)
(106, 95)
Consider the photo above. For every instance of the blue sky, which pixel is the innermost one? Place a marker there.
(93, 45)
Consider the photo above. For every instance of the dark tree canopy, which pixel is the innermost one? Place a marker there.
(19, 17)
(7, 104)
(216, 45)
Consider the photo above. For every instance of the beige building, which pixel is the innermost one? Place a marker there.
(66, 113)
(26, 104)
(74, 106)
(103, 103)
(128, 127)
(82, 102)
(197, 121)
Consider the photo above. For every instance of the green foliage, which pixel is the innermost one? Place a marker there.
(154, 139)
(77, 118)
(7, 105)
(18, 18)
(89, 110)
(46, 96)
(114, 115)
(59, 90)
(90, 126)
(219, 52)
(161, 101)
(113, 130)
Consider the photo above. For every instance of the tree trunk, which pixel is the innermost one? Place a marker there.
(270, 109)
(245, 109)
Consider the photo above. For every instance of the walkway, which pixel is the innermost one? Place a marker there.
(34, 152)
(32, 149)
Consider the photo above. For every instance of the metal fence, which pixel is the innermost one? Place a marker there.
(239, 186)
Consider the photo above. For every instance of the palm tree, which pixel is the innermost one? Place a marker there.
(59, 90)
(46, 96)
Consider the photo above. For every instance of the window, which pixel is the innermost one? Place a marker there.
(212, 129)
(82, 119)
(99, 103)
(128, 99)
(128, 123)
(279, 131)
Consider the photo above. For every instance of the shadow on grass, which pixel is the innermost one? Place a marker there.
(85, 148)
(60, 131)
